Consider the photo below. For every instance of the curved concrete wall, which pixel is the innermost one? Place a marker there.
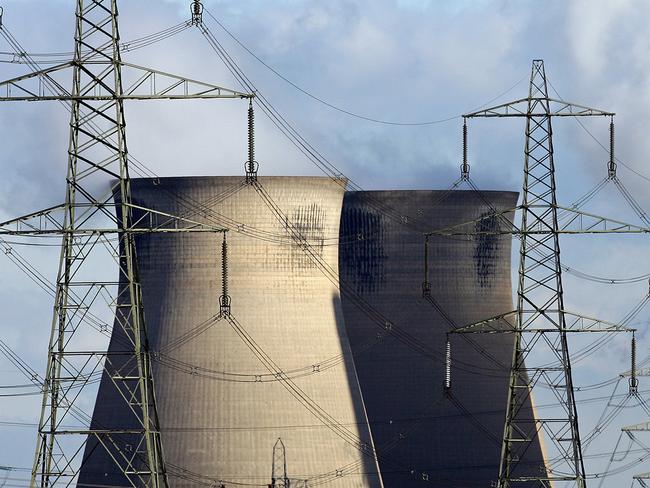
(220, 410)
(424, 435)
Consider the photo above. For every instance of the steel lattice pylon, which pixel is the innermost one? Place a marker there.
(90, 152)
(97, 155)
(279, 467)
(540, 305)
(540, 355)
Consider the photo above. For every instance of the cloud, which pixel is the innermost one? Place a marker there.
(397, 60)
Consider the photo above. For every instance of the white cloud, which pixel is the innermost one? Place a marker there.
(404, 60)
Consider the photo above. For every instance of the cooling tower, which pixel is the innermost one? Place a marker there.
(221, 410)
(425, 435)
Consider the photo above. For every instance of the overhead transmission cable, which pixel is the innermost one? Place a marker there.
(289, 131)
(343, 110)
(277, 119)
(145, 171)
(606, 149)
(304, 146)
(24, 57)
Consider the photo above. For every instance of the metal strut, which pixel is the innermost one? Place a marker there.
(197, 12)
(464, 169)
(224, 299)
(251, 165)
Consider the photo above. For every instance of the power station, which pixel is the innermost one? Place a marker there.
(220, 409)
(447, 429)
(285, 331)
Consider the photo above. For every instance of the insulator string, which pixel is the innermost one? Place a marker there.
(611, 170)
(426, 286)
(448, 364)
(224, 265)
(224, 300)
(464, 170)
(251, 164)
(634, 381)
(251, 136)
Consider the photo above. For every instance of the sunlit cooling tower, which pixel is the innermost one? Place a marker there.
(427, 436)
(221, 410)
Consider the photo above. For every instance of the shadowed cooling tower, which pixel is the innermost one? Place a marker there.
(221, 411)
(426, 436)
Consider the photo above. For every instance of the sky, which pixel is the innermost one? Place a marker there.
(405, 61)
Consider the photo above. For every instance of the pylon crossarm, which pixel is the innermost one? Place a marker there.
(642, 427)
(170, 86)
(576, 322)
(637, 372)
(473, 227)
(106, 231)
(541, 479)
(642, 476)
(144, 84)
(25, 220)
(497, 324)
(580, 222)
(165, 222)
(31, 86)
(575, 222)
(522, 108)
(500, 324)
(50, 221)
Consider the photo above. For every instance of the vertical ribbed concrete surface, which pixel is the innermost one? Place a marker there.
(220, 410)
(427, 437)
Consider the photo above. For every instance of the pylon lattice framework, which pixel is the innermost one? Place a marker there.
(279, 466)
(541, 325)
(539, 292)
(90, 154)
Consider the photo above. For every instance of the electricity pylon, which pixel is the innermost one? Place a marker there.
(98, 159)
(541, 321)
(643, 479)
(279, 467)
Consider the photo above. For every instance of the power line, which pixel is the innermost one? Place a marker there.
(343, 110)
